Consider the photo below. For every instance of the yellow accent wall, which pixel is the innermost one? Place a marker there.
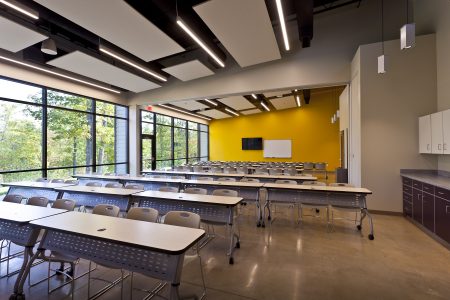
(313, 136)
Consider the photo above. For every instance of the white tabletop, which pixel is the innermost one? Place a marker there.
(225, 183)
(338, 189)
(207, 199)
(127, 178)
(287, 177)
(36, 184)
(25, 213)
(98, 190)
(198, 173)
(155, 236)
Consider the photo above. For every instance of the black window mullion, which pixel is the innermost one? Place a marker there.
(44, 133)
(187, 143)
(172, 130)
(94, 136)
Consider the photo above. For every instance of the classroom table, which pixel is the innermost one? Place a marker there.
(352, 197)
(152, 249)
(247, 190)
(90, 196)
(28, 189)
(148, 182)
(212, 209)
(272, 178)
(15, 226)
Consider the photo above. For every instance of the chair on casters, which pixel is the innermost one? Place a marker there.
(205, 178)
(314, 206)
(113, 185)
(170, 189)
(72, 181)
(193, 190)
(192, 220)
(38, 201)
(226, 179)
(94, 184)
(134, 186)
(334, 208)
(12, 198)
(284, 202)
(245, 179)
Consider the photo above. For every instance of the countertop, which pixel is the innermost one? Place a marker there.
(428, 176)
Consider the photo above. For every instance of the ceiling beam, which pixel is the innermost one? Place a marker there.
(305, 17)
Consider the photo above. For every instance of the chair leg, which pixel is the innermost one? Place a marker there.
(203, 277)
(89, 280)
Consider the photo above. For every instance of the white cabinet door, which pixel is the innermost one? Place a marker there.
(446, 130)
(425, 134)
(436, 133)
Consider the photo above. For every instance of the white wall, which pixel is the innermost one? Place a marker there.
(344, 121)
(390, 106)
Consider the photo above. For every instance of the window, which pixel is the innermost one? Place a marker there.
(81, 134)
(176, 141)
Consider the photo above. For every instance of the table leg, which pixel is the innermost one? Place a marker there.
(365, 213)
(258, 210)
(28, 259)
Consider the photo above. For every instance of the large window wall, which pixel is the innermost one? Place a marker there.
(54, 134)
(168, 141)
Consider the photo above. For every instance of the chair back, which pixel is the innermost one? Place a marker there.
(57, 181)
(113, 185)
(12, 198)
(318, 183)
(245, 179)
(193, 190)
(285, 181)
(106, 210)
(38, 201)
(205, 178)
(143, 214)
(198, 169)
(225, 192)
(260, 172)
(182, 218)
(290, 171)
(320, 166)
(72, 181)
(42, 180)
(226, 179)
(170, 189)
(64, 204)
(134, 186)
(308, 166)
(94, 183)
(275, 171)
(216, 170)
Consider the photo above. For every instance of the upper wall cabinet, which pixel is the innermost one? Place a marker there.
(434, 133)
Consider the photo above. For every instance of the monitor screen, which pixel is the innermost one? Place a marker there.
(252, 144)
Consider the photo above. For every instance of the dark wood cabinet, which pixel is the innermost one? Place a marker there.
(417, 205)
(442, 211)
(428, 211)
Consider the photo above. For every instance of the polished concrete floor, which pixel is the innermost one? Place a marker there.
(287, 260)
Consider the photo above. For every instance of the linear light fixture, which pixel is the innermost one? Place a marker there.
(185, 112)
(212, 102)
(21, 10)
(254, 96)
(199, 42)
(145, 70)
(283, 25)
(297, 99)
(265, 106)
(231, 112)
(59, 74)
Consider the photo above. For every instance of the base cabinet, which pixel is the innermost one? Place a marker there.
(428, 211)
(443, 218)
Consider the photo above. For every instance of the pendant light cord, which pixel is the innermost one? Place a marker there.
(382, 26)
(176, 7)
(407, 11)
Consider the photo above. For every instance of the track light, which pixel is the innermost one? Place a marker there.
(27, 12)
(49, 47)
(297, 99)
(254, 96)
(408, 36)
(211, 102)
(231, 112)
(382, 62)
(265, 106)
(145, 70)
(59, 74)
(283, 25)
(184, 112)
(181, 23)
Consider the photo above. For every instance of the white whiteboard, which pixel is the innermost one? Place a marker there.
(278, 148)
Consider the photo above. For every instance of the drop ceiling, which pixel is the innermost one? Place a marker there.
(216, 114)
(237, 102)
(189, 70)
(284, 102)
(190, 105)
(15, 37)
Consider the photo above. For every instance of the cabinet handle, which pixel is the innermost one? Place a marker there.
(446, 209)
(439, 146)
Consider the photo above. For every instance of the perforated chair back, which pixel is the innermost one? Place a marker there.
(64, 204)
(216, 170)
(57, 181)
(182, 218)
(308, 166)
(285, 181)
(249, 180)
(134, 186)
(42, 180)
(198, 169)
(205, 178)
(198, 191)
(94, 183)
(275, 171)
(225, 192)
(113, 185)
(290, 171)
(226, 179)
(72, 181)
(243, 170)
(38, 201)
(341, 184)
(170, 189)
(314, 183)
(106, 210)
(320, 166)
(12, 198)
(143, 214)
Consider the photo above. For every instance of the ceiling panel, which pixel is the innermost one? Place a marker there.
(91, 67)
(190, 105)
(250, 112)
(214, 113)
(273, 94)
(243, 27)
(190, 70)
(15, 37)
(119, 23)
(237, 102)
(283, 103)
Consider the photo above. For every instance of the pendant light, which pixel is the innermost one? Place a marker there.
(407, 32)
(49, 47)
(382, 58)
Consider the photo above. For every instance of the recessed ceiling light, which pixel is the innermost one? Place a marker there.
(21, 10)
(59, 74)
(152, 73)
(184, 112)
(283, 25)
(212, 102)
(181, 23)
(231, 112)
(254, 96)
(265, 106)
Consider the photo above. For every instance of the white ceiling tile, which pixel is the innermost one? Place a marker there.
(237, 102)
(283, 103)
(15, 37)
(250, 112)
(273, 94)
(214, 113)
(243, 27)
(190, 70)
(190, 105)
(83, 64)
(118, 23)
